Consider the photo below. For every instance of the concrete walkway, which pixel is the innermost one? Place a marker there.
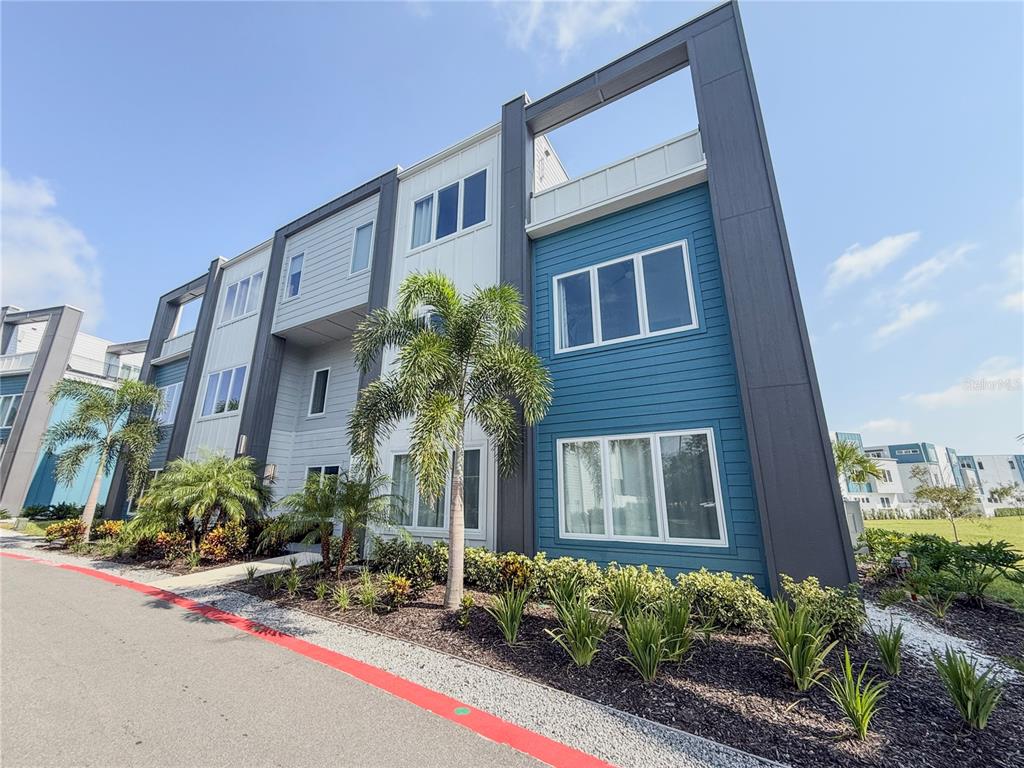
(215, 577)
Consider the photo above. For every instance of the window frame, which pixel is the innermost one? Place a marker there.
(11, 412)
(312, 391)
(423, 530)
(435, 211)
(224, 320)
(640, 287)
(659, 486)
(168, 402)
(288, 275)
(352, 256)
(176, 332)
(321, 470)
(241, 396)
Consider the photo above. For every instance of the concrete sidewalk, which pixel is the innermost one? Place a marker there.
(215, 577)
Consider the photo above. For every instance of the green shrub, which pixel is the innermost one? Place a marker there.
(224, 542)
(192, 559)
(587, 575)
(275, 582)
(566, 591)
(424, 565)
(1009, 511)
(725, 601)
(974, 693)
(507, 609)
(395, 590)
(891, 596)
(889, 643)
(292, 582)
(645, 639)
(856, 697)
(976, 566)
(250, 574)
(580, 630)
(622, 593)
(883, 545)
(320, 590)
(171, 546)
(480, 569)
(69, 532)
(465, 611)
(800, 643)
(515, 571)
(933, 590)
(678, 631)
(841, 610)
(314, 569)
(341, 597)
(366, 592)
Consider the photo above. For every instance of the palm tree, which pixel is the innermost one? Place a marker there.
(460, 361)
(325, 502)
(109, 424)
(853, 464)
(197, 495)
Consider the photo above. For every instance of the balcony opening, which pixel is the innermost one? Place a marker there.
(188, 317)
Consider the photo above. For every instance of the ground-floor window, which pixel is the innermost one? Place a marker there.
(661, 486)
(417, 512)
(327, 469)
(886, 503)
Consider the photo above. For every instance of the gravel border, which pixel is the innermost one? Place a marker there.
(28, 545)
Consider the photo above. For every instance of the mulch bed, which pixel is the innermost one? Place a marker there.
(729, 691)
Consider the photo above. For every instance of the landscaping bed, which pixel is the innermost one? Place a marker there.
(728, 690)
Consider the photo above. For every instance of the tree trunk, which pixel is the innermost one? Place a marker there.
(456, 534)
(89, 513)
(325, 546)
(346, 544)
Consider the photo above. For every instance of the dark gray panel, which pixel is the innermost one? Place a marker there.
(718, 51)
(380, 274)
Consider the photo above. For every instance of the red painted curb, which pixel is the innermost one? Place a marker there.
(489, 726)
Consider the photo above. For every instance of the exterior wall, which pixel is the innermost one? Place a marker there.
(327, 286)
(163, 376)
(298, 440)
(678, 381)
(230, 345)
(989, 471)
(11, 385)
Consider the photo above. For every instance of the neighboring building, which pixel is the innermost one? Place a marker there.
(687, 429)
(39, 348)
(884, 493)
(987, 472)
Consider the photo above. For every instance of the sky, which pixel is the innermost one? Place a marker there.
(138, 141)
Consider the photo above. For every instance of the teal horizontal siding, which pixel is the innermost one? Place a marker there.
(163, 376)
(677, 381)
(11, 385)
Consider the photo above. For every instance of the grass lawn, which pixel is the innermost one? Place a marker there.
(972, 529)
(28, 528)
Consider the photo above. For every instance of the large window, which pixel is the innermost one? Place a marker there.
(224, 391)
(188, 316)
(242, 298)
(294, 276)
(649, 487)
(452, 208)
(646, 294)
(9, 409)
(416, 512)
(362, 246)
(318, 394)
(320, 471)
(171, 395)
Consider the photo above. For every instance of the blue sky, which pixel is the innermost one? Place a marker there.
(139, 141)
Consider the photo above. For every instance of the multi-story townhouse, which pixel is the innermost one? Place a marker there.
(687, 429)
(985, 473)
(941, 464)
(883, 493)
(39, 348)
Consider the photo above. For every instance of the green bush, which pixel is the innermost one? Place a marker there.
(841, 610)
(726, 601)
(69, 532)
(585, 574)
(480, 569)
(580, 629)
(974, 693)
(856, 697)
(341, 597)
(884, 545)
(225, 542)
(976, 566)
(645, 639)
(1010, 511)
(889, 643)
(678, 631)
(507, 610)
(396, 590)
(800, 643)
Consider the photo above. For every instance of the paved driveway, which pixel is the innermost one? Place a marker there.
(97, 675)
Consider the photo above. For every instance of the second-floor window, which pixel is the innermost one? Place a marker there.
(294, 276)
(9, 409)
(318, 395)
(458, 206)
(646, 294)
(362, 245)
(171, 396)
(188, 316)
(242, 298)
(224, 390)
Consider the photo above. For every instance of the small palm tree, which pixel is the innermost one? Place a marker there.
(461, 361)
(109, 424)
(853, 464)
(325, 502)
(196, 495)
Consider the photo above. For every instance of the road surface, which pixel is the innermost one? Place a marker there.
(97, 675)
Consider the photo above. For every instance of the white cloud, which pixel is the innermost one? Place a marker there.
(563, 26)
(908, 316)
(858, 262)
(887, 427)
(46, 260)
(921, 274)
(1013, 301)
(996, 378)
(1014, 267)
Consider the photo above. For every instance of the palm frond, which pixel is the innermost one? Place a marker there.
(381, 330)
(429, 290)
(436, 431)
(378, 411)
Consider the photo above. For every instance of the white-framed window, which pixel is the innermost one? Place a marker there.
(188, 316)
(645, 294)
(291, 288)
(169, 405)
(981, 465)
(908, 452)
(415, 513)
(453, 208)
(887, 475)
(9, 409)
(242, 298)
(886, 503)
(322, 469)
(656, 486)
(318, 392)
(224, 391)
(362, 248)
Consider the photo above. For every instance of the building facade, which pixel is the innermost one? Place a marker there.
(659, 290)
(39, 348)
(986, 473)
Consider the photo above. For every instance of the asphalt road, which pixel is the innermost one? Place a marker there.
(92, 674)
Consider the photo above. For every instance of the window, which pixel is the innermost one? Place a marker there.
(318, 395)
(450, 209)
(646, 294)
(294, 276)
(887, 475)
(171, 394)
(242, 298)
(908, 452)
(362, 246)
(886, 503)
(980, 465)
(9, 409)
(224, 390)
(415, 512)
(648, 487)
(188, 316)
(1011, 464)
(327, 469)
